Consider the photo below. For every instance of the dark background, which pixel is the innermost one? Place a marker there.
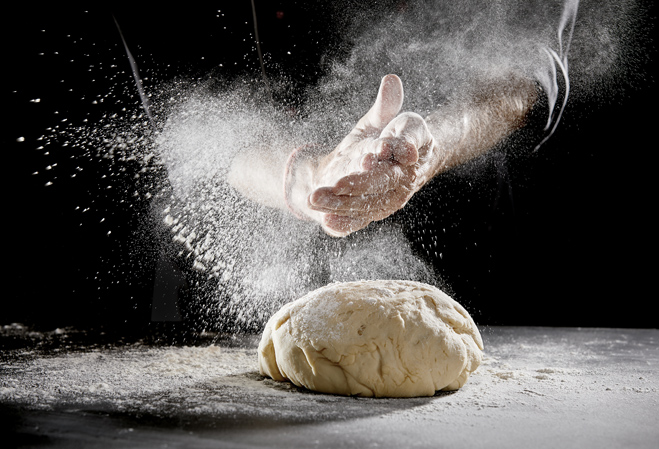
(572, 246)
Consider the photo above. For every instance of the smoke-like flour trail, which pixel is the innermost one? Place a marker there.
(260, 257)
(250, 258)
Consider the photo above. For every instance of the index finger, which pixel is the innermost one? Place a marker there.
(385, 176)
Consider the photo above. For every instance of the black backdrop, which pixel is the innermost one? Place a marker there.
(574, 247)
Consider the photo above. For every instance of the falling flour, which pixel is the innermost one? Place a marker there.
(244, 260)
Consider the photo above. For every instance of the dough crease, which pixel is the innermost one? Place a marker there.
(380, 338)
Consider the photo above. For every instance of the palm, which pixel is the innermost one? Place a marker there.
(376, 168)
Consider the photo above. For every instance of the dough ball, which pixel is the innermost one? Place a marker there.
(372, 338)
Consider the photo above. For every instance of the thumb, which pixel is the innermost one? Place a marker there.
(386, 106)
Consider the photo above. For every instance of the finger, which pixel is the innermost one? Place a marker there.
(375, 151)
(397, 149)
(386, 106)
(373, 205)
(350, 205)
(385, 176)
(369, 161)
(339, 226)
(388, 149)
(406, 138)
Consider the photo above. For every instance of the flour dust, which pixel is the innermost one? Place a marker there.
(249, 259)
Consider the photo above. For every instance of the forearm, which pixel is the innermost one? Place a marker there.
(469, 127)
(340, 185)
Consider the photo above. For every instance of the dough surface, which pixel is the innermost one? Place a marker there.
(372, 338)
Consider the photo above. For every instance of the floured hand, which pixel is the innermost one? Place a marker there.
(376, 169)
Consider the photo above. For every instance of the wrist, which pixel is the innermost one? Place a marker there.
(298, 180)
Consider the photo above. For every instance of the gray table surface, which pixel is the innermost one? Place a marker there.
(537, 387)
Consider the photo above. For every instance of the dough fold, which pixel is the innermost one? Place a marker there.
(372, 338)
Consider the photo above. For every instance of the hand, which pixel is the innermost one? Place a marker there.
(376, 169)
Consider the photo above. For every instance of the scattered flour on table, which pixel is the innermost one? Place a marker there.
(136, 378)
(223, 382)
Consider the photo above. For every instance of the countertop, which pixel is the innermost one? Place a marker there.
(537, 387)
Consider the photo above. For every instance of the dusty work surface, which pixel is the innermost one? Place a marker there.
(537, 387)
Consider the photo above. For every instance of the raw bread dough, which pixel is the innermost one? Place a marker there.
(372, 338)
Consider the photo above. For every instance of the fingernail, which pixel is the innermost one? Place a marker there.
(339, 190)
(322, 201)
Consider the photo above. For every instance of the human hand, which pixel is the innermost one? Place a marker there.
(376, 169)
